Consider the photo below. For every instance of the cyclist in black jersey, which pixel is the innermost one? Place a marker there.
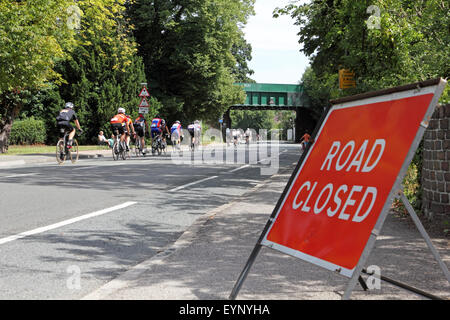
(64, 119)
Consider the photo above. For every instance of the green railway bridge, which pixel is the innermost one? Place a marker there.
(276, 96)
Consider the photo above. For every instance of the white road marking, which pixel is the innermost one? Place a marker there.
(12, 163)
(192, 183)
(65, 222)
(21, 175)
(237, 169)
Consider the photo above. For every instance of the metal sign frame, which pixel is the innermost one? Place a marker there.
(435, 86)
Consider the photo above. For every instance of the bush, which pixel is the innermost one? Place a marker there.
(412, 184)
(27, 131)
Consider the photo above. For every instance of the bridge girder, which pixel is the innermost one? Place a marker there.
(273, 96)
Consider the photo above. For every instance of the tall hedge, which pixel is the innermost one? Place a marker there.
(28, 131)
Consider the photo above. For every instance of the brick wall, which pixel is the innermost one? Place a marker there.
(436, 165)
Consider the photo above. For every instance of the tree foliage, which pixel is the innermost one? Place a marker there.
(101, 73)
(33, 36)
(187, 47)
(84, 51)
(408, 42)
(104, 71)
(253, 119)
(385, 42)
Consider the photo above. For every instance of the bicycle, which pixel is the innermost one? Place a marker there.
(195, 142)
(176, 144)
(138, 150)
(63, 152)
(156, 145)
(192, 145)
(164, 146)
(119, 148)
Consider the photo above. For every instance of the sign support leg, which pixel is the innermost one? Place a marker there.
(365, 254)
(359, 268)
(424, 234)
(245, 271)
(363, 283)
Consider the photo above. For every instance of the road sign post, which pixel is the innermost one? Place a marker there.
(337, 199)
(144, 104)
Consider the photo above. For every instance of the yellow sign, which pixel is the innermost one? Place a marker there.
(346, 79)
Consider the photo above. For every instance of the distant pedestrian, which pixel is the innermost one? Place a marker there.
(102, 139)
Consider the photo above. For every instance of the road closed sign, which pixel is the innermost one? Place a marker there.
(349, 176)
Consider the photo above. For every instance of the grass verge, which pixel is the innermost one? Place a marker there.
(15, 150)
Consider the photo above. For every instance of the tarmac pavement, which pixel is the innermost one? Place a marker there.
(208, 258)
(205, 262)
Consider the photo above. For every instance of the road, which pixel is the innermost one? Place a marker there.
(91, 221)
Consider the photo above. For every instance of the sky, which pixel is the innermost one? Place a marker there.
(276, 56)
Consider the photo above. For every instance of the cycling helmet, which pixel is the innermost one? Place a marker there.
(69, 105)
(196, 122)
(178, 121)
(121, 110)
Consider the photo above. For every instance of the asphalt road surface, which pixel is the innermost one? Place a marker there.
(68, 229)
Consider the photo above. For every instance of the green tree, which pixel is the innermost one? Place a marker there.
(253, 119)
(102, 73)
(409, 41)
(33, 36)
(187, 47)
(242, 52)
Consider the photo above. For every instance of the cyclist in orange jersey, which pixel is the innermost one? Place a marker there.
(119, 123)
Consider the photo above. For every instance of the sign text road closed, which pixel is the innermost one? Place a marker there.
(340, 189)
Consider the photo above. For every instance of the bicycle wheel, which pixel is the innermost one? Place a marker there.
(174, 145)
(115, 150)
(137, 147)
(73, 152)
(60, 152)
(124, 153)
(154, 147)
(159, 147)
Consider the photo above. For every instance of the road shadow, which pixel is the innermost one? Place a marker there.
(210, 265)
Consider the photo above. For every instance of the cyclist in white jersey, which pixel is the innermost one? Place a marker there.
(197, 133)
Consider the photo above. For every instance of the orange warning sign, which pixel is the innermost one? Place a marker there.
(340, 189)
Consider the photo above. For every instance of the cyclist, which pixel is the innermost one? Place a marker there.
(63, 120)
(141, 127)
(197, 132)
(165, 132)
(133, 132)
(119, 123)
(191, 130)
(175, 133)
(304, 141)
(158, 127)
(248, 135)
